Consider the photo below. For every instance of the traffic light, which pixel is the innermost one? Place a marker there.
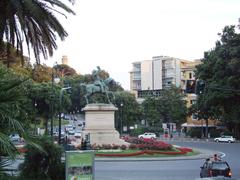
(200, 87)
(190, 86)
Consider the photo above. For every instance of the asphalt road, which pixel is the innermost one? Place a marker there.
(148, 170)
(167, 170)
(231, 152)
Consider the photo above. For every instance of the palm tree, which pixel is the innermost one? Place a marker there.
(34, 22)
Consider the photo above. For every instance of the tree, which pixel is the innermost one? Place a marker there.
(46, 95)
(77, 99)
(33, 22)
(41, 73)
(169, 107)
(220, 71)
(11, 97)
(63, 70)
(45, 164)
(130, 111)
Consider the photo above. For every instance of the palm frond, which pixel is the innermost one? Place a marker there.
(6, 146)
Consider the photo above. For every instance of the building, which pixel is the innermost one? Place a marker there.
(65, 60)
(151, 76)
(187, 75)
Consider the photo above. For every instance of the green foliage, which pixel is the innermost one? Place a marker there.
(41, 73)
(136, 132)
(43, 164)
(34, 22)
(46, 95)
(227, 133)
(63, 70)
(12, 97)
(169, 107)
(220, 71)
(214, 133)
(195, 133)
(130, 111)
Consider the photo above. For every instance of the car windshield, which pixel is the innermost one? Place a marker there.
(220, 166)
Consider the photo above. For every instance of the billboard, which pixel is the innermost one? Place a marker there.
(79, 165)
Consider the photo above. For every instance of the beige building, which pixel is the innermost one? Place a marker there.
(65, 60)
(187, 74)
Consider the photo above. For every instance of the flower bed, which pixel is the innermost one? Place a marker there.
(180, 151)
(147, 147)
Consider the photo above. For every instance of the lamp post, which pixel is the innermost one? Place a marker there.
(121, 121)
(59, 114)
(52, 97)
(35, 108)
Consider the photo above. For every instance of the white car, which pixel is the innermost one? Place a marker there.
(78, 134)
(14, 137)
(228, 139)
(69, 127)
(147, 136)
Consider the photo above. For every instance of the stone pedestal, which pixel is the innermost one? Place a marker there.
(99, 123)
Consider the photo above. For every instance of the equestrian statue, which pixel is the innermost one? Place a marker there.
(99, 85)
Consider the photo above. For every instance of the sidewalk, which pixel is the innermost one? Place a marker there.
(203, 154)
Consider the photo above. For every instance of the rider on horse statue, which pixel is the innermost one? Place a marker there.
(98, 81)
(98, 86)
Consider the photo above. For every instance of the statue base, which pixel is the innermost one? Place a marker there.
(99, 124)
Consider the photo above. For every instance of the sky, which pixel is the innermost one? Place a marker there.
(113, 34)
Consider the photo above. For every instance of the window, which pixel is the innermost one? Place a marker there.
(190, 75)
(190, 86)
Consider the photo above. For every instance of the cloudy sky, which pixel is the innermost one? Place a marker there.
(114, 33)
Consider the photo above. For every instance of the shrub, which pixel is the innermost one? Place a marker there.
(95, 146)
(214, 133)
(195, 133)
(106, 146)
(43, 164)
(132, 146)
(123, 147)
(139, 130)
(227, 133)
(115, 146)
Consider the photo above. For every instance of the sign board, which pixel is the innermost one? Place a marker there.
(79, 165)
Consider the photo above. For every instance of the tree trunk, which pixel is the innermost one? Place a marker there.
(206, 129)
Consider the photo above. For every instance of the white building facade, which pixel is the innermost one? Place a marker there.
(156, 74)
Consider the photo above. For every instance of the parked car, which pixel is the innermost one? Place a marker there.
(14, 137)
(147, 136)
(215, 168)
(69, 127)
(228, 139)
(56, 133)
(78, 134)
(71, 132)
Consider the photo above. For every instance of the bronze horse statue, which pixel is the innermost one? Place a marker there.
(99, 87)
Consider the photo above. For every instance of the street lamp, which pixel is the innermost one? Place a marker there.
(59, 114)
(35, 108)
(56, 80)
(121, 121)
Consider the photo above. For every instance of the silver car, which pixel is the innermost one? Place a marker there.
(147, 136)
(228, 139)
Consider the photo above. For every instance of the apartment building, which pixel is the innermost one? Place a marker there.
(187, 74)
(151, 76)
